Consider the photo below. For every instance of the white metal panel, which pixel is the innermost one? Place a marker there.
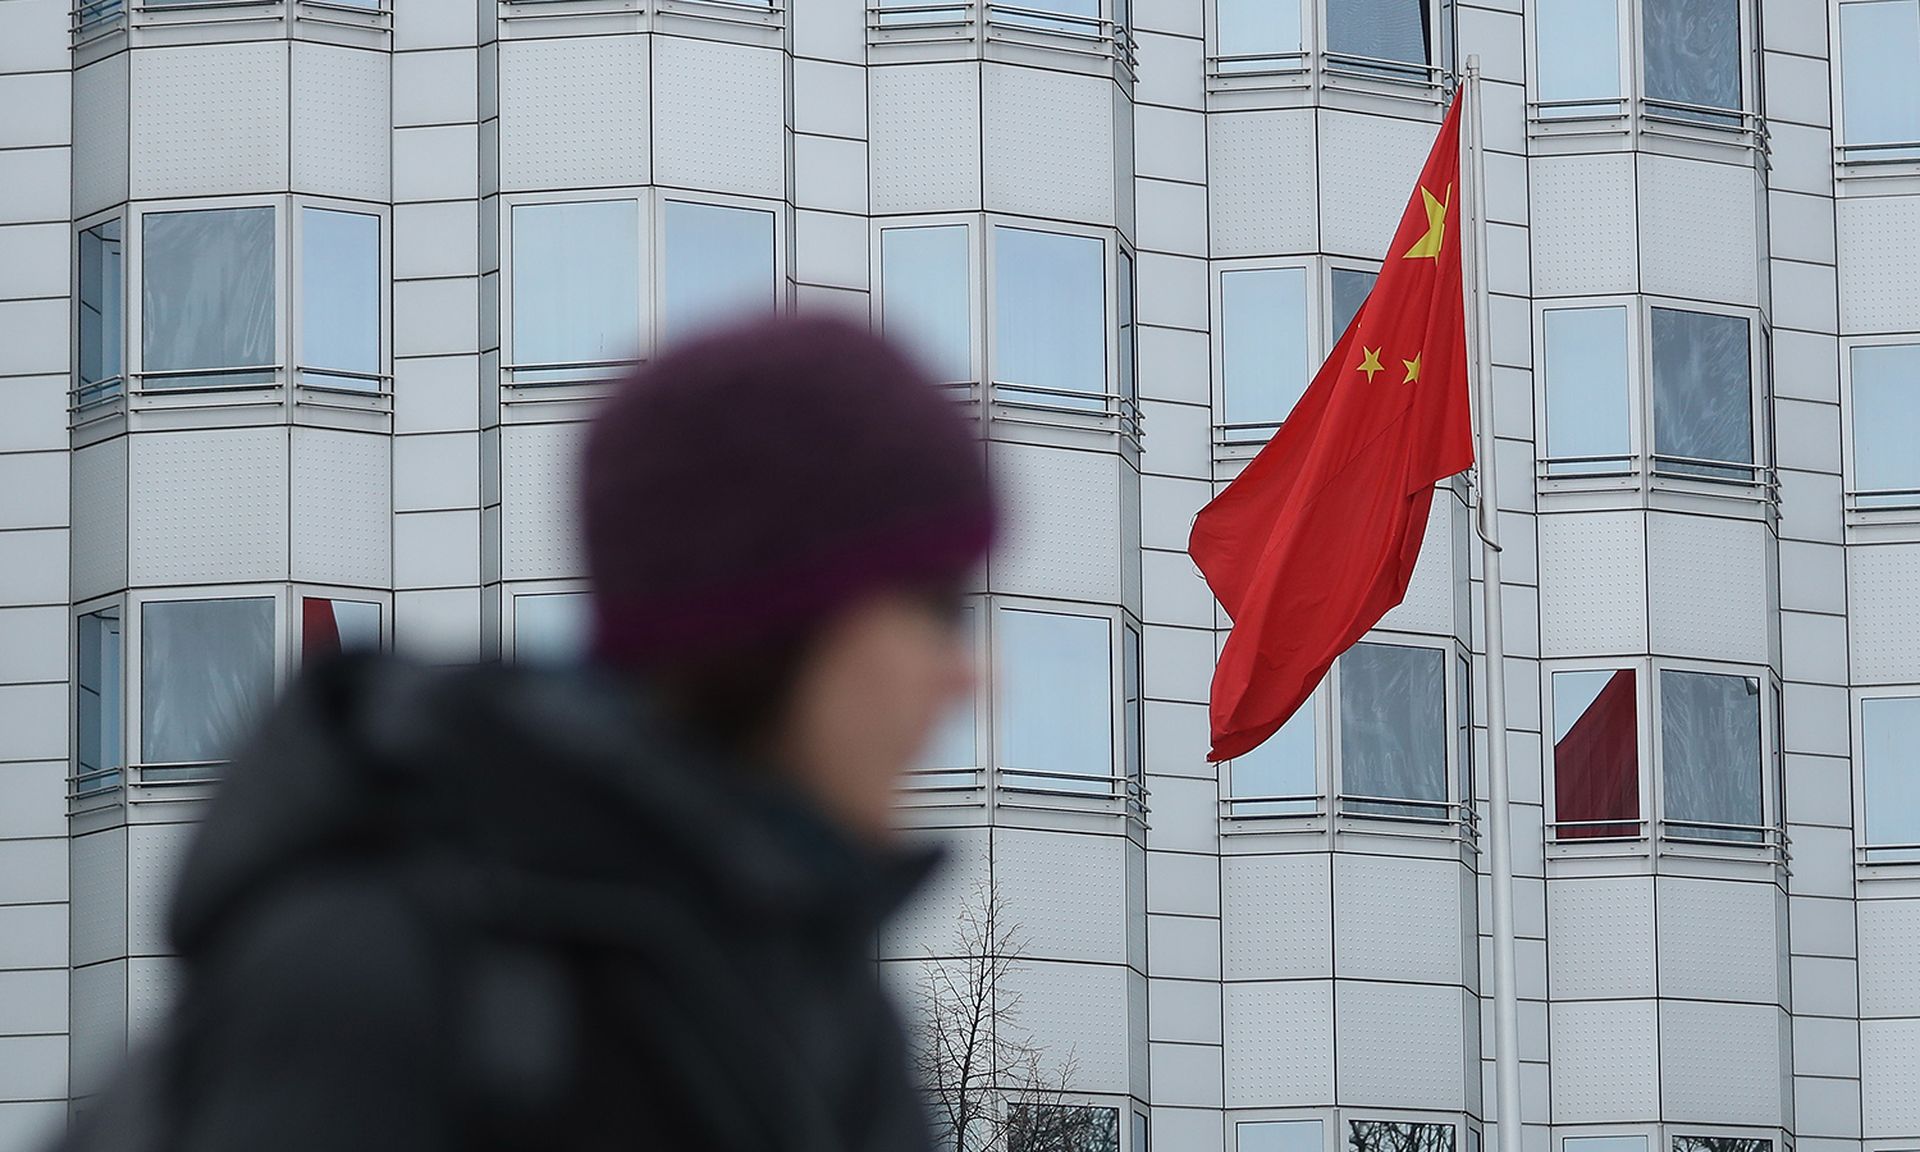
(1718, 940)
(1077, 1009)
(438, 163)
(1879, 263)
(99, 1037)
(37, 183)
(1261, 191)
(34, 719)
(1184, 1011)
(1185, 810)
(539, 501)
(829, 99)
(37, 405)
(436, 549)
(1396, 918)
(1829, 986)
(37, 791)
(1184, 946)
(1584, 224)
(1183, 883)
(1889, 1070)
(154, 984)
(1429, 603)
(929, 922)
(1170, 144)
(1606, 1061)
(210, 119)
(342, 497)
(436, 472)
(155, 853)
(438, 625)
(1826, 1047)
(433, 24)
(925, 154)
(1401, 1045)
(830, 174)
(1884, 614)
(431, 240)
(1698, 224)
(34, 333)
(1601, 934)
(98, 863)
(208, 506)
(573, 112)
(35, 1002)
(1707, 581)
(35, 871)
(1058, 164)
(1067, 892)
(1061, 537)
(342, 116)
(1721, 1063)
(100, 518)
(100, 134)
(436, 87)
(1186, 1074)
(1174, 591)
(1171, 217)
(1889, 977)
(1367, 164)
(1812, 577)
(33, 935)
(1279, 1044)
(436, 317)
(1593, 584)
(720, 121)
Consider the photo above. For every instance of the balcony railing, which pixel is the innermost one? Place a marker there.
(935, 23)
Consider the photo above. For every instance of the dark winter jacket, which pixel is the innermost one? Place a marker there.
(488, 908)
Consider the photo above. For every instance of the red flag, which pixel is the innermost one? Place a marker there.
(1316, 539)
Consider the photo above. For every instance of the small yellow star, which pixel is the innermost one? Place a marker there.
(1370, 362)
(1436, 234)
(1413, 369)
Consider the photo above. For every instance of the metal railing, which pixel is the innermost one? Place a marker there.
(1049, 791)
(1665, 117)
(561, 372)
(1878, 155)
(1270, 810)
(1710, 839)
(138, 783)
(1033, 403)
(935, 22)
(1877, 854)
(1883, 499)
(1626, 830)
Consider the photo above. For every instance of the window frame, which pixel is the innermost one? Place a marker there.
(103, 781)
(1772, 827)
(654, 277)
(1643, 747)
(510, 596)
(1331, 265)
(1251, 812)
(134, 245)
(1873, 859)
(1639, 415)
(1317, 296)
(1857, 161)
(1626, 47)
(1028, 795)
(1460, 820)
(295, 639)
(1901, 520)
(643, 200)
(1746, 116)
(974, 388)
(940, 787)
(1329, 1121)
(296, 293)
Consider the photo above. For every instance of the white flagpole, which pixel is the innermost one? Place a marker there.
(1506, 1005)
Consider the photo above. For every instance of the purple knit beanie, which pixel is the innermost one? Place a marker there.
(753, 480)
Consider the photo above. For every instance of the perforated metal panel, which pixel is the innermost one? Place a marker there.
(1261, 194)
(1367, 163)
(1430, 599)
(1717, 940)
(100, 518)
(1584, 224)
(1889, 978)
(1707, 583)
(1059, 164)
(1600, 938)
(98, 1043)
(342, 498)
(926, 923)
(539, 492)
(97, 879)
(1721, 1063)
(1879, 278)
(720, 120)
(342, 116)
(242, 88)
(154, 983)
(1698, 223)
(573, 112)
(1884, 616)
(100, 134)
(208, 506)
(1066, 891)
(1401, 1045)
(924, 155)
(1592, 584)
(1277, 916)
(1889, 1070)
(154, 855)
(1279, 1044)
(1605, 1061)
(1077, 1008)
(1062, 534)
(1396, 919)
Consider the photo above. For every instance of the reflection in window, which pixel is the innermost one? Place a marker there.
(1263, 348)
(1880, 79)
(1034, 15)
(207, 298)
(551, 627)
(1604, 1144)
(1278, 1136)
(1886, 424)
(1050, 320)
(1380, 32)
(340, 298)
(1702, 393)
(1056, 699)
(329, 626)
(1398, 1136)
(102, 298)
(1280, 777)
(1721, 1144)
(1596, 755)
(98, 748)
(719, 263)
(953, 748)
(1578, 46)
(1393, 730)
(1350, 289)
(206, 670)
(576, 287)
(1258, 35)
(1062, 1128)
(1586, 385)
(925, 301)
(1890, 766)
(1691, 51)
(1710, 755)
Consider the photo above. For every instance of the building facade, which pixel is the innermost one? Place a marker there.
(302, 304)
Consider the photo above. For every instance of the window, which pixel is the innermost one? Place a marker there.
(1702, 394)
(1050, 321)
(1078, 16)
(925, 299)
(1132, 707)
(1281, 776)
(98, 744)
(207, 298)
(551, 627)
(102, 296)
(1691, 58)
(1710, 756)
(206, 670)
(1880, 79)
(575, 290)
(1279, 1136)
(1129, 335)
(1398, 1136)
(1588, 429)
(1056, 700)
(719, 263)
(1604, 1144)
(1263, 349)
(1350, 289)
(1721, 1144)
(1577, 49)
(340, 299)
(1062, 1128)
(1596, 756)
(1389, 36)
(1885, 410)
(1140, 1130)
(1393, 730)
(953, 748)
(330, 626)
(1258, 35)
(1890, 768)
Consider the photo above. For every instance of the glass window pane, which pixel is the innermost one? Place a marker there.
(330, 626)
(1578, 44)
(719, 263)
(1263, 348)
(925, 301)
(1397, 1136)
(1129, 382)
(1586, 383)
(1378, 29)
(1880, 75)
(954, 743)
(551, 628)
(98, 700)
(1350, 289)
(1721, 1144)
(1132, 706)
(1886, 423)
(1692, 54)
(340, 297)
(102, 298)
(206, 670)
(207, 297)
(1056, 698)
(1596, 754)
(1261, 29)
(576, 285)
(1279, 1136)
(1393, 729)
(1890, 764)
(1702, 392)
(1710, 755)
(1062, 1128)
(1029, 15)
(1604, 1144)
(1280, 777)
(1050, 315)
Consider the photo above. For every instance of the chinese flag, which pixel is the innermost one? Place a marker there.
(1316, 539)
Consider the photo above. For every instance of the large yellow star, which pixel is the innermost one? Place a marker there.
(1369, 362)
(1429, 245)
(1413, 369)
